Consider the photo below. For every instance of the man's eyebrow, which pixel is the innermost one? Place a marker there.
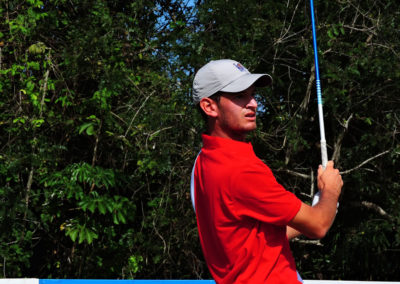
(245, 92)
(253, 92)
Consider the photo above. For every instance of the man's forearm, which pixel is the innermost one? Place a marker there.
(292, 233)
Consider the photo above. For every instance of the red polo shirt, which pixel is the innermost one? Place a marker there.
(242, 213)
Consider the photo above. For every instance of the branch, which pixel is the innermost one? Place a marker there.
(283, 34)
(384, 46)
(364, 29)
(28, 189)
(137, 112)
(297, 174)
(160, 236)
(306, 100)
(96, 144)
(307, 242)
(265, 140)
(374, 207)
(365, 162)
(150, 136)
(338, 144)
(46, 78)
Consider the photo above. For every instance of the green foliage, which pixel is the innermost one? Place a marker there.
(89, 161)
(98, 131)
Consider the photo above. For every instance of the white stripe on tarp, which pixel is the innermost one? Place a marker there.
(19, 281)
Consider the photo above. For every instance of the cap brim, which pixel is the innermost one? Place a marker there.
(245, 81)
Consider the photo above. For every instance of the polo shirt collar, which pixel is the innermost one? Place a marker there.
(214, 142)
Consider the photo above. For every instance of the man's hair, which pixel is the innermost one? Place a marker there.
(215, 98)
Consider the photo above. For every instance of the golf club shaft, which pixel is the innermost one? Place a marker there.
(324, 155)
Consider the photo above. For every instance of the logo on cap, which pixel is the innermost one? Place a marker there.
(240, 67)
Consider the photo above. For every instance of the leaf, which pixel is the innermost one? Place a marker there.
(72, 233)
(115, 219)
(121, 217)
(82, 235)
(92, 206)
(90, 130)
(90, 236)
(84, 126)
(368, 120)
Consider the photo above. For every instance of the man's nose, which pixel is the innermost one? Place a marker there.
(252, 103)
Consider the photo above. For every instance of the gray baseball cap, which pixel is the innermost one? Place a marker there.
(225, 75)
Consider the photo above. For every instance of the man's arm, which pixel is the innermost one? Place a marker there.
(291, 233)
(314, 222)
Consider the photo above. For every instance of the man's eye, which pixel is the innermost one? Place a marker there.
(240, 96)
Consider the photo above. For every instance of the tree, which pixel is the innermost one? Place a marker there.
(91, 156)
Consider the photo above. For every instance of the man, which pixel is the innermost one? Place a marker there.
(244, 216)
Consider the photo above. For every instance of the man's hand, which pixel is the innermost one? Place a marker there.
(329, 181)
(315, 221)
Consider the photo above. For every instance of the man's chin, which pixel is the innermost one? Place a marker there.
(252, 126)
(248, 129)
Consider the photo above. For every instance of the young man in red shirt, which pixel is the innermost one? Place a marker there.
(244, 216)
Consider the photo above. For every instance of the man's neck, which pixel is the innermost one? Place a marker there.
(237, 136)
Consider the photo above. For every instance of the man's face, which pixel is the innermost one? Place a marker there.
(237, 114)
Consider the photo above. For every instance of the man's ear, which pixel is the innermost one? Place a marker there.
(209, 106)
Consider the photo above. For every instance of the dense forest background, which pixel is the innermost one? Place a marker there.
(98, 132)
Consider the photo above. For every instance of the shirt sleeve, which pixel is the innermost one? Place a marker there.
(257, 194)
